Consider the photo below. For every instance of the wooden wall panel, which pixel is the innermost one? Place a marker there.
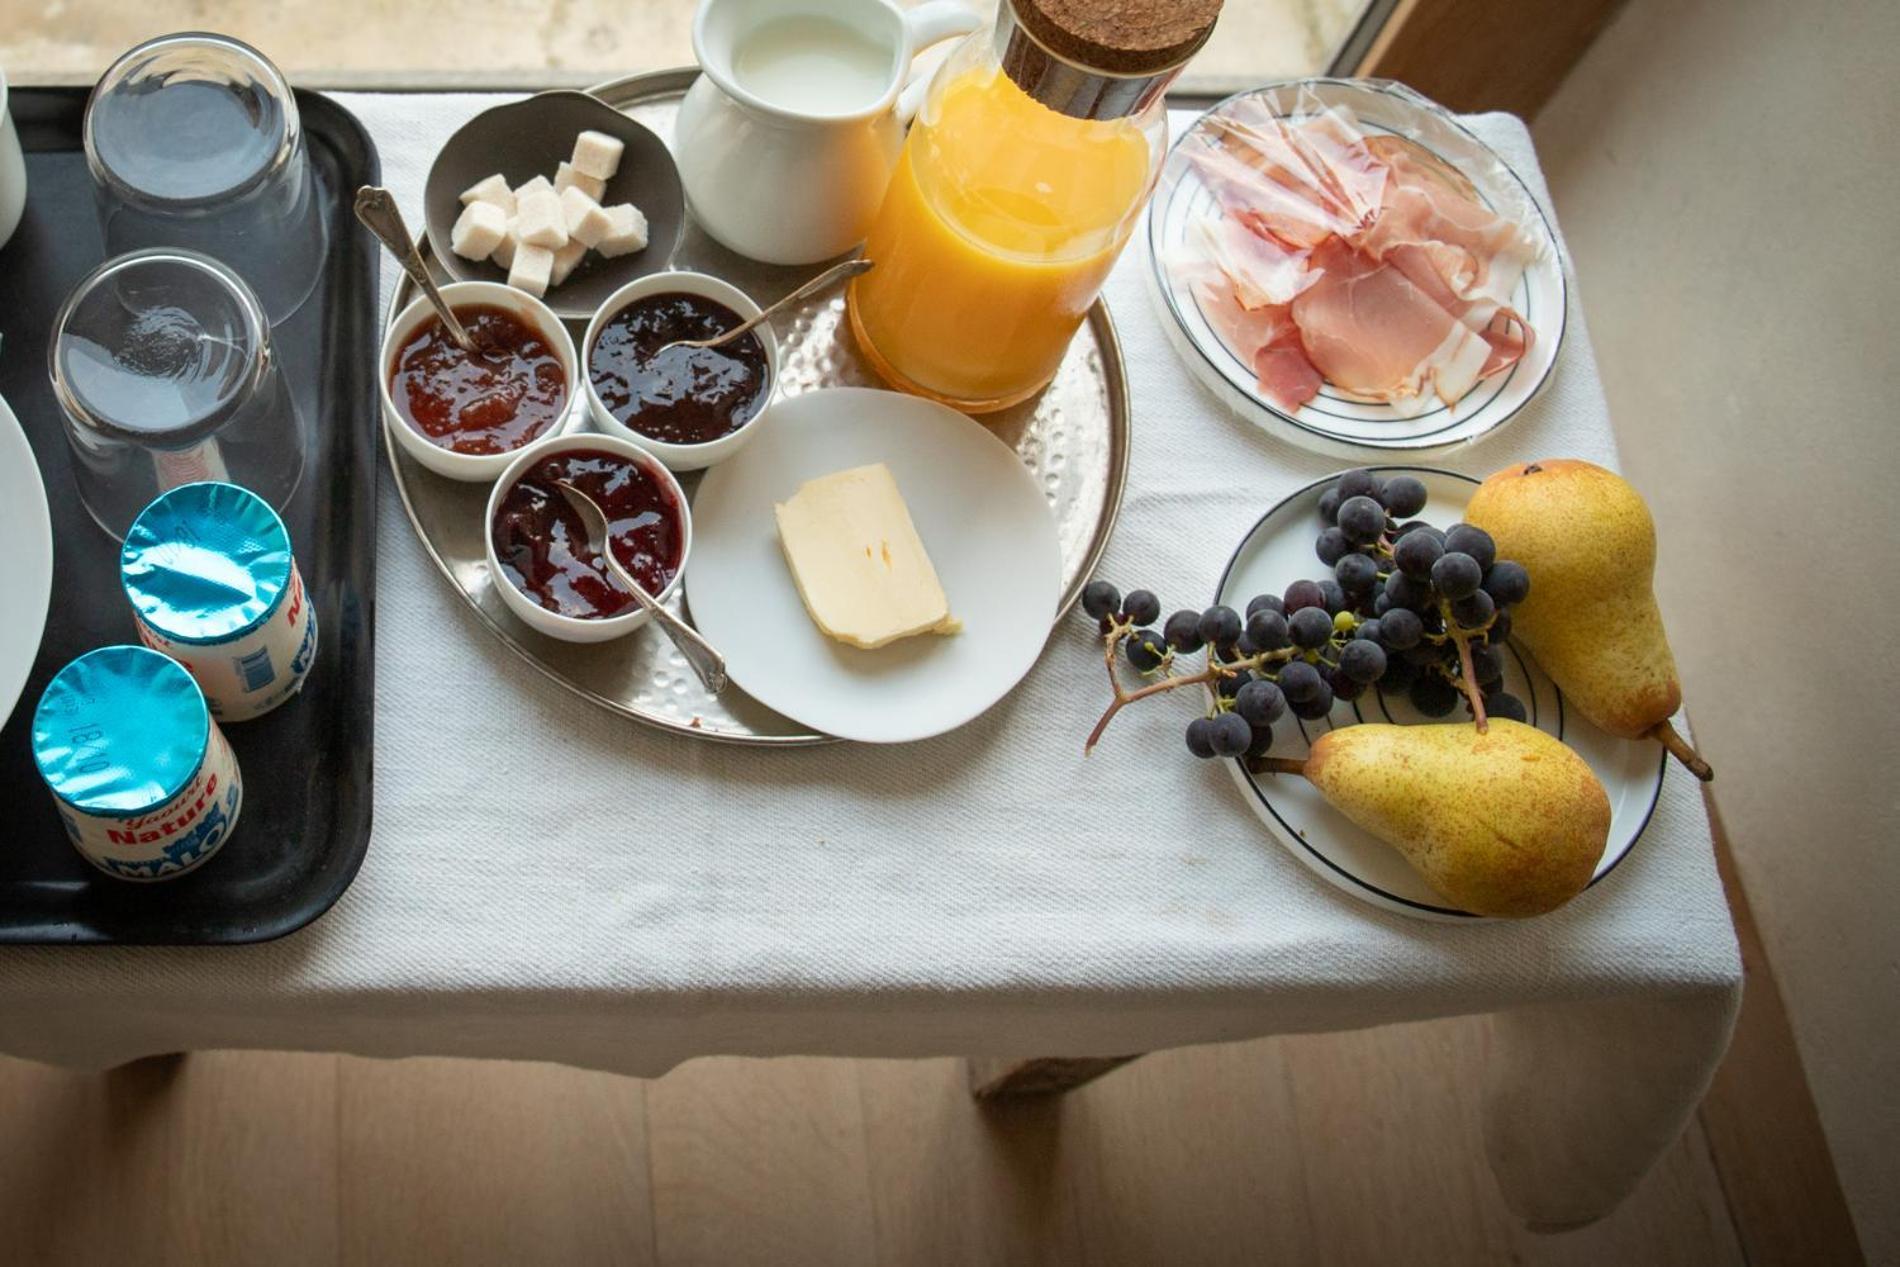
(1486, 54)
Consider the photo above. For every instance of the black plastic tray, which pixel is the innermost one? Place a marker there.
(306, 767)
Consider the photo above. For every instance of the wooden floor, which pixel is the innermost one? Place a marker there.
(1356, 1148)
(1336, 1149)
(1349, 1148)
(1340, 1148)
(1315, 1150)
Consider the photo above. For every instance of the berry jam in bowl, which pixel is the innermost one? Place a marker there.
(691, 407)
(539, 556)
(467, 416)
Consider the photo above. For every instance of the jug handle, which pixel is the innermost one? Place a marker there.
(925, 25)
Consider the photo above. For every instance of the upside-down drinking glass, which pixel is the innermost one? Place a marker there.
(194, 141)
(162, 364)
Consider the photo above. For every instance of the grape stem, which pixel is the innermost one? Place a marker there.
(1214, 672)
(1124, 697)
(1682, 750)
(1466, 674)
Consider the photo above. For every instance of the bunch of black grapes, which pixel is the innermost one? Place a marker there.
(1402, 598)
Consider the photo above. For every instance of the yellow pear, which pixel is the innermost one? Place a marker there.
(1591, 620)
(1506, 822)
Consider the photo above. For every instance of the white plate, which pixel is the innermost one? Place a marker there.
(26, 565)
(981, 515)
(1279, 550)
(1330, 424)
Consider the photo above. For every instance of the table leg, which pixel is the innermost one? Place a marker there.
(1580, 1099)
(164, 1064)
(992, 1079)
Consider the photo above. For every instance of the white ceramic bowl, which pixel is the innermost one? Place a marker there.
(473, 468)
(683, 457)
(539, 618)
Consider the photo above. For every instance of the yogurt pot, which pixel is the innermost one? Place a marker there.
(12, 169)
(142, 777)
(213, 585)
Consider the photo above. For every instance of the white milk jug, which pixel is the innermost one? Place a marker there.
(788, 137)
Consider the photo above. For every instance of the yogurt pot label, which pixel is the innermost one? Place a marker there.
(200, 462)
(145, 783)
(213, 585)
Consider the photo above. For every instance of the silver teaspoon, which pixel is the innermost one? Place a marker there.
(376, 208)
(707, 663)
(830, 277)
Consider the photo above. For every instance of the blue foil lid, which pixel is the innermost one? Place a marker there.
(206, 563)
(120, 730)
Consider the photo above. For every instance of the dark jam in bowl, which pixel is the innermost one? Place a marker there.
(490, 403)
(682, 395)
(541, 543)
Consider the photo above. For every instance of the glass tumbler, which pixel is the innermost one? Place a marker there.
(194, 141)
(162, 364)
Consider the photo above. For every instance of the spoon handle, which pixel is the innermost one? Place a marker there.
(830, 277)
(707, 664)
(376, 208)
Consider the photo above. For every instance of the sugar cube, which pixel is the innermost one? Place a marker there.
(537, 185)
(478, 230)
(491, 189)
(564, 261)
(504, 252)
(532, 269)
(587, 222)
(596, 154)
(629, 232)
(539, 221)
(566, 177)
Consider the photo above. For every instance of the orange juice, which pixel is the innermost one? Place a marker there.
(1000, 225)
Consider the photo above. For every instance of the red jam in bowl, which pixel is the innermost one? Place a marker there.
(494, 402)
(542, 544)
(681, 395)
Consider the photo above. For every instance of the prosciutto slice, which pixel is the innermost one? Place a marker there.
(1480, 255)
(1377, 336)
(1267, 206)
(1282, 370)
(1322, 161)
(1506, 333)
(1261, 270)
(1359, 259)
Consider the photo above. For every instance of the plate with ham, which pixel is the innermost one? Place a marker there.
(1345, 264)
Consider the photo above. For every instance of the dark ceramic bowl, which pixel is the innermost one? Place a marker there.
(525, 139)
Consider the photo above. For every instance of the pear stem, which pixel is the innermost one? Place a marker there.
(1276, 765)
(1682, 750)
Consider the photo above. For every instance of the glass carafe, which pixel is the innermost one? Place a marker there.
(1022, 179)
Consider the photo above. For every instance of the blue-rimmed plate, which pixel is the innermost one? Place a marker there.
(1279, 550)
(1331, 423)
(26, 565)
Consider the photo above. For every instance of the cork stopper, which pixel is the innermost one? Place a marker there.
(1119, 37)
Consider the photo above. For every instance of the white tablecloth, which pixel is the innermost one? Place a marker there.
(989, 892)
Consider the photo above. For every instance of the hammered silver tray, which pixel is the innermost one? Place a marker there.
(1073, 436)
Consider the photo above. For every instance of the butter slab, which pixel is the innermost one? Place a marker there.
(858, 562)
